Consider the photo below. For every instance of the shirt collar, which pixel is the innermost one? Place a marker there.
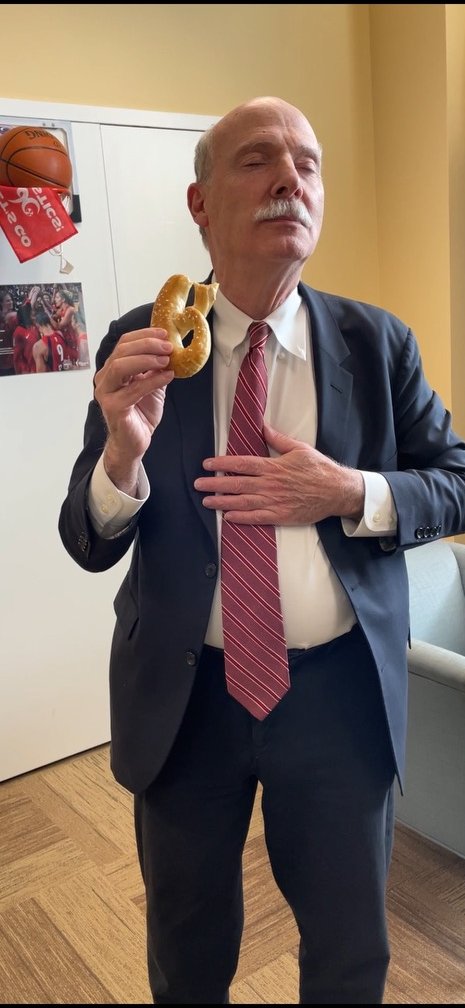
(288, 322)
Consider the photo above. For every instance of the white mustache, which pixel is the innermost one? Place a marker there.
(284, 208)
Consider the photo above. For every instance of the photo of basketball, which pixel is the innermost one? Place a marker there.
(32, 156)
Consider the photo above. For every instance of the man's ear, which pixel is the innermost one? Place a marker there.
(195, 202)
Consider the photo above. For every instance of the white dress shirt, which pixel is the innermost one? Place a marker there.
(314, 604)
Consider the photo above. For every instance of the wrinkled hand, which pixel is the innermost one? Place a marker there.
(300, 486)
(130, 389)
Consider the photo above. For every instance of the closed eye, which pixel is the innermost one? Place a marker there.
(307, 166)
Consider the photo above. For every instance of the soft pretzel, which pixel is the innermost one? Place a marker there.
(170, 312)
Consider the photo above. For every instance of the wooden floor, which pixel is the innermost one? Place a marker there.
(72, 924)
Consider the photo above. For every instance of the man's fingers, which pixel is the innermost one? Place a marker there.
(123, 371)
(134, 343)
(262, 517)
(245, 502)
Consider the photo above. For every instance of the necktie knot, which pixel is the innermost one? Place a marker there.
(258, 335)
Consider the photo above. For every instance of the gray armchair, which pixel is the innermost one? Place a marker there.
(434, 795)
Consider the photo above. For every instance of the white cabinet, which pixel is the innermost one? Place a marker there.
(153, 235)
(56, 620)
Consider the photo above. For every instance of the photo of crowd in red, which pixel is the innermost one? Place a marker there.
(42, 329)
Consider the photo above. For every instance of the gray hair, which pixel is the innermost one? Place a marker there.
(203, 157)
(203, 162)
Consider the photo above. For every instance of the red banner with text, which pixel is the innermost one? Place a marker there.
(34, 220)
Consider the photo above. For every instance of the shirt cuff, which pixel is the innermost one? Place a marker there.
(379, 513)
(110, 509)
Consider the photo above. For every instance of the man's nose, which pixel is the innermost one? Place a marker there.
(287, 181)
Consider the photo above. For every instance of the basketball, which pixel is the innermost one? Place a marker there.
(31, 156)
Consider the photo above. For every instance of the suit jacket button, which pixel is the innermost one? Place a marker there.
(420, 532)
(191, 658)
(210, 570)
(83, 542)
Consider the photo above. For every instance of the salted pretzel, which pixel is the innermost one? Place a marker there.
(171, 313)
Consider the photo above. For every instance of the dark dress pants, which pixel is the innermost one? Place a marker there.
(324, 760)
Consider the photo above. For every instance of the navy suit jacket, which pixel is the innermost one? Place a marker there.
(376, 411)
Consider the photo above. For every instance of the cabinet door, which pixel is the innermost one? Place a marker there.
(56, 620)
(147, 172)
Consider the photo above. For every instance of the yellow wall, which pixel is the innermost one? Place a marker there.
(455, 48)
(382, 84)
(204, 59)
(412, 174)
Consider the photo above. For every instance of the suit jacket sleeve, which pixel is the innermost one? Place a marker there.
(78, 535)
(428, 485)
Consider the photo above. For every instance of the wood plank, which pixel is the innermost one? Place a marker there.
(40, 966)
(72, 902)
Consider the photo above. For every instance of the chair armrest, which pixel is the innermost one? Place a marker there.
(458, 549)
(436, 663)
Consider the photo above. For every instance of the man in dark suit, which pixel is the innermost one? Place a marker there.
(363, 464)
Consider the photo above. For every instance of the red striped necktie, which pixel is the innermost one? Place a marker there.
(256, 662)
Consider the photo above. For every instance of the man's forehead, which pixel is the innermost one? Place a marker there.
(252, 130)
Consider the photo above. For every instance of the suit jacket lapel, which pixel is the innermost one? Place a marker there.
(333, 381)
